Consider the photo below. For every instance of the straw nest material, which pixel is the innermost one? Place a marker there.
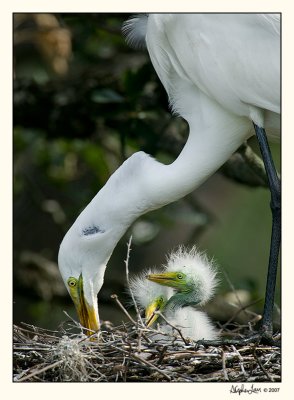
(133, 353)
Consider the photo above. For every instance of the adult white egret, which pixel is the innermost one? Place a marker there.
(193, 279)
(222, 75)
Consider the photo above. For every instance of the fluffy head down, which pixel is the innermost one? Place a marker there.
(146, 291)
(197, 267)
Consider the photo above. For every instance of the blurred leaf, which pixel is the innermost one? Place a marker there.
(106, 96)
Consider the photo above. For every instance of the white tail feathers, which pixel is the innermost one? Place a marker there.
(134, 30)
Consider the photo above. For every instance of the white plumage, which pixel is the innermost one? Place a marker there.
(193, 324)
(221, 72)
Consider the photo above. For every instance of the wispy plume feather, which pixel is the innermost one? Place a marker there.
(134, 30)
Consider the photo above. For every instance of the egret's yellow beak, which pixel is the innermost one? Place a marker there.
(87, 314)
(150, 315)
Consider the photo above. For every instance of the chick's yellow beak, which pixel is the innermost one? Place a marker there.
(166, 278)
(150, 315)
(87, 314)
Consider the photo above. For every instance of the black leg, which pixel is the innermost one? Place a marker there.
(275, 189)
(266, 328)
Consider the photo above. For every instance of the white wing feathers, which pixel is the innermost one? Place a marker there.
(232, 58)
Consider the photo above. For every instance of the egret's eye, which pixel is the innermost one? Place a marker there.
(72, 282)
(180, 276)
(160, 299)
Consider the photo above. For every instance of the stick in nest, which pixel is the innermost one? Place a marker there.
(241, 360)
(128, 280)
(224, 366)
(116, 299)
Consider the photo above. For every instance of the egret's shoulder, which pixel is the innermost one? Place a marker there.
(139, 157)
(134, 165)
(138, 165)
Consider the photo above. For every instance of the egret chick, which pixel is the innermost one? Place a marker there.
(176, 307)
(193, 278)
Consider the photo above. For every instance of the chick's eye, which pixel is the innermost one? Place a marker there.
(72, 282)
(180, 276)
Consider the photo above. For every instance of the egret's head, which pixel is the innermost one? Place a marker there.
(82, 260)
(191, 274)
(87, 246)
(86, 309)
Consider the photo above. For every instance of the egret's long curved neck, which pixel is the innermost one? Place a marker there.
(143, 184)
(211, 142)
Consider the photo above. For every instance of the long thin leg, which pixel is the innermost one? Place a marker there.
(275, 189)
(266, 327)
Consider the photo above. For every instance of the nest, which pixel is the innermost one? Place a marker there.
(134, 353)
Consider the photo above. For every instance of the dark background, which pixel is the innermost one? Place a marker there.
(83, 102)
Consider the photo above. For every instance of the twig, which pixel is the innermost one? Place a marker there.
(161, 354)
(115, 297)
(241, 361)
(77, 324)
(140, 334)
(38, 329)
(38, 372)
(33, 348)
(192, 353)
(224, 366)
(261, 366)
(128, 280)
(34, 332)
